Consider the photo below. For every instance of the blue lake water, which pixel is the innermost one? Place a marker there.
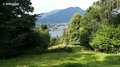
(56, 32)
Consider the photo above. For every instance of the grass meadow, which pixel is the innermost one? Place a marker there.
(77, 58)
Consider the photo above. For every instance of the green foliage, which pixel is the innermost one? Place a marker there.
(45, 37)
(107, 39)
(73, 30)
(37, 50)
(99, 28)
(115, 20)
(53, 41)
(17, 31)
(60, 49)
(84, 37)
(32, 40)
(89, 24)
(65, 37)
(15, 26)
(58, 40)
(107, 8)
(38, 41)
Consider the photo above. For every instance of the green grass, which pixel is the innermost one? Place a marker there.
(78, 59)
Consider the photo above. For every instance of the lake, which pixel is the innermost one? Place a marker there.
(56, 32)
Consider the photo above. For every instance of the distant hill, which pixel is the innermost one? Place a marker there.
(49, 13)
(60, 16)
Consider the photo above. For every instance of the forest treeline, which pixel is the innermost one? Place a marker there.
(98, 29)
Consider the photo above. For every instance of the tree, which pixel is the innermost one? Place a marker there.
(15, 26)
(73, 30)
(90, 23)
(45, 37)
(107, 8)
(65, 37)
(107, 39)
(53, 41)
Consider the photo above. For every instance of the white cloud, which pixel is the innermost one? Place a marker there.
(48, 5)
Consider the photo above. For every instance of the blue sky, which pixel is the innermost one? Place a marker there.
(41, 6)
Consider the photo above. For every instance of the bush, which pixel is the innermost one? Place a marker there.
(64, 49)
(37, 50)
(77, 48)
(107, 39)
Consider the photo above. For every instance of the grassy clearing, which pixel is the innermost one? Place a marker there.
(78, 59)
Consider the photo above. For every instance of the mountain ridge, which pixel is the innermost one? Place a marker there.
(49, 13)
(63, 15)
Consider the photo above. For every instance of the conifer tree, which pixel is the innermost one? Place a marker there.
(73, 30)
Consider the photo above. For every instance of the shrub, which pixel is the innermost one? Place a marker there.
(37, 50)
(107, 39)
(64, 49)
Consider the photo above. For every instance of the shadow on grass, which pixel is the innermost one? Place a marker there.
(76, 62)
(112, 60)
(72, 65)
(33, 66)
(64, 60)
(50, 60)
(109, 61)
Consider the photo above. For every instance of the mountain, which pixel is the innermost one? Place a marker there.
(61, 16)
(49, 13)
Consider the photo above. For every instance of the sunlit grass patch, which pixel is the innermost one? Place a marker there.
(75, 59)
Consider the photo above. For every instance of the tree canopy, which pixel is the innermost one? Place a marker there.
(73, 30)
(17, 34)
(98, 29)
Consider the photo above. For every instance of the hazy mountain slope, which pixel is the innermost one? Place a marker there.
(49, 13)
(61, 16)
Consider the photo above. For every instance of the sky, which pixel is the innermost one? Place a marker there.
(42, 6)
